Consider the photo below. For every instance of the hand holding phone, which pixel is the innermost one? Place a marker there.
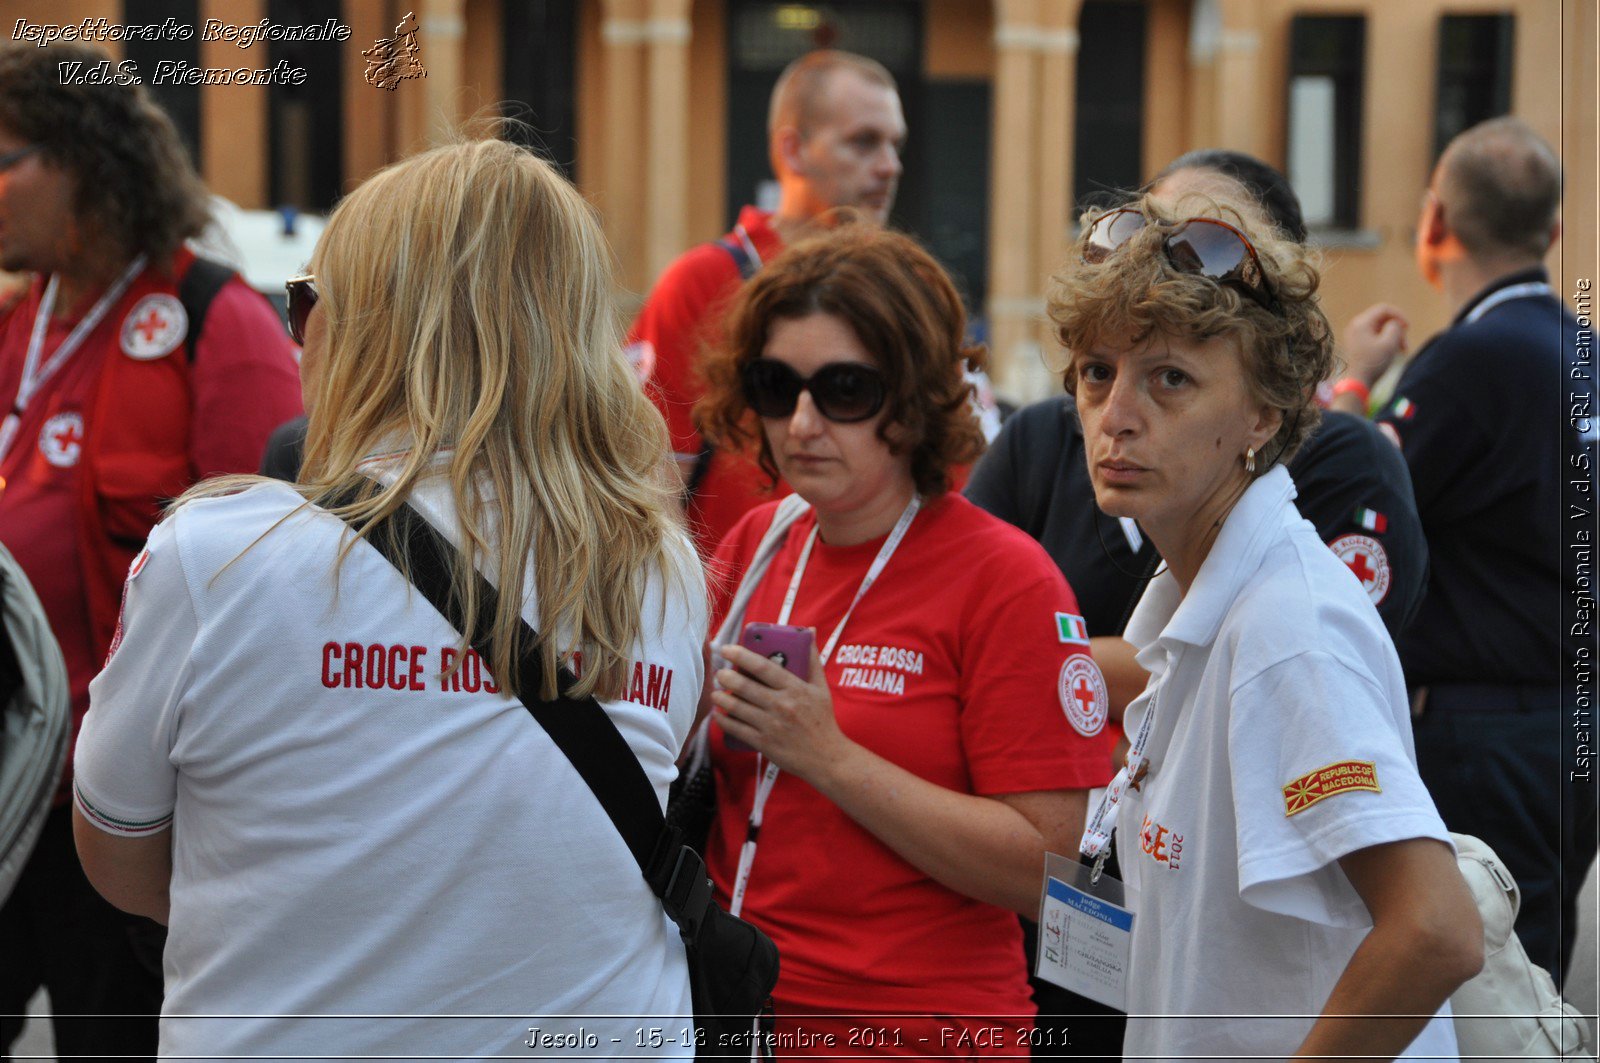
(786, 644)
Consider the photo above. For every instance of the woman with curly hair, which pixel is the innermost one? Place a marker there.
(1296, 890)
(906, 791)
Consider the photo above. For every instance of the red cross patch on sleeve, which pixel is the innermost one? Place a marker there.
(154, 327)
(1084, 699)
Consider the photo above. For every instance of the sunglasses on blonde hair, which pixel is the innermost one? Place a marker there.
(302, 292)
(1203, 246)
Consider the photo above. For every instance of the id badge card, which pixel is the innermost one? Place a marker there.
(1085, 932)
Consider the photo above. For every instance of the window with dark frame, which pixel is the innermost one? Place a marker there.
(1327, 65)
(1474, 73)
(1109, 118)
(305, 122)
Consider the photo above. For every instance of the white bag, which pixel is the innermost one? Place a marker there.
(35, 720)
(1511, 1010)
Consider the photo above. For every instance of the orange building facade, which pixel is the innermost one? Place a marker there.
(1021, 111)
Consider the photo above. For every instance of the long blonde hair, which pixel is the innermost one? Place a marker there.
(466, 297)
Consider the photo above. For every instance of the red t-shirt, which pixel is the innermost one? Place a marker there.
(952, 667)
(680, 318)
(244, 383)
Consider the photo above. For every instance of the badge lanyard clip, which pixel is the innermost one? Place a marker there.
(1096, 843)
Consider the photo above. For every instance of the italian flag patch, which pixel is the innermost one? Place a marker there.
(1404, 408)
(1071, 628)
(1372, 520)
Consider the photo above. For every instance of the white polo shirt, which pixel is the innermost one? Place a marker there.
(1281, 742)
(353, 835)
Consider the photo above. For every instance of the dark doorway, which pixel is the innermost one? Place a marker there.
(954, 143)
(181, 101)
(305, 122)
(1108, 135)
(540, 41)
(943, 195)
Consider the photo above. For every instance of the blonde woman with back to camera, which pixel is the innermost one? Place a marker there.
(297, 763)
(1297, 894)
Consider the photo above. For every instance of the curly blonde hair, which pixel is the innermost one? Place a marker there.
(1137, 293)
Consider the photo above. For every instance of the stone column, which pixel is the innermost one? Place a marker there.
(1057, 44)
(370, 128)
(1205, 35)
(427, 106)
(667, 33)
(233, 118)
(1240, 121)
(621, 188)
(1013, 220)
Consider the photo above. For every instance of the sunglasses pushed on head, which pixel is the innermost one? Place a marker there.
(1206, 247)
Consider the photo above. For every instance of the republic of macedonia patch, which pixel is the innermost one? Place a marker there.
(1313, 786)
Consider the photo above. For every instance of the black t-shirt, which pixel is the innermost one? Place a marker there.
(1351, 483)
(280, 458)
(1481, 414)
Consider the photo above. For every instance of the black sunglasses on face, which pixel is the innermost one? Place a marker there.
(1205, 246)
(302, 297)
(844, 392)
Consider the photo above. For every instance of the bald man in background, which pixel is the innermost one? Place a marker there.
(1487, 419)
(835, 131)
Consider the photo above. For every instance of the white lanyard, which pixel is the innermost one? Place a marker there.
(1096, 842)
(749, 247)
(766, 771)
(1516, 291)
(33, 375)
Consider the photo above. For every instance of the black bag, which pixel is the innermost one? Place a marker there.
(692, 801)
(733, 966)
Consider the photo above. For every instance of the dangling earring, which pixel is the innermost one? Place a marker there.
(1250, 460)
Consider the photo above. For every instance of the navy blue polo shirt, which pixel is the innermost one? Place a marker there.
(1351, 483)
(1481, 418)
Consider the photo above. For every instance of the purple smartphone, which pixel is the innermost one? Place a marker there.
(789, 646)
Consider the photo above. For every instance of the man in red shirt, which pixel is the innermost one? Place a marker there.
(835, 131)
(121, 383)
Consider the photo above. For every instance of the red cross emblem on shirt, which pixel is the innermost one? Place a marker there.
(1361, 565)
(1365, 557)
(68, 436)
(61, 439)
(1083, 694)
(152, 325)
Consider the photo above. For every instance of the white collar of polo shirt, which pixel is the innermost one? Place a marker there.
(1164, 616)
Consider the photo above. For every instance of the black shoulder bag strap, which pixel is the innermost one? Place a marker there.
(199, 286)
(747, 265)
(580, 728)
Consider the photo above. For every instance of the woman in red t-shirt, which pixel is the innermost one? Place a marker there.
(953, 720)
